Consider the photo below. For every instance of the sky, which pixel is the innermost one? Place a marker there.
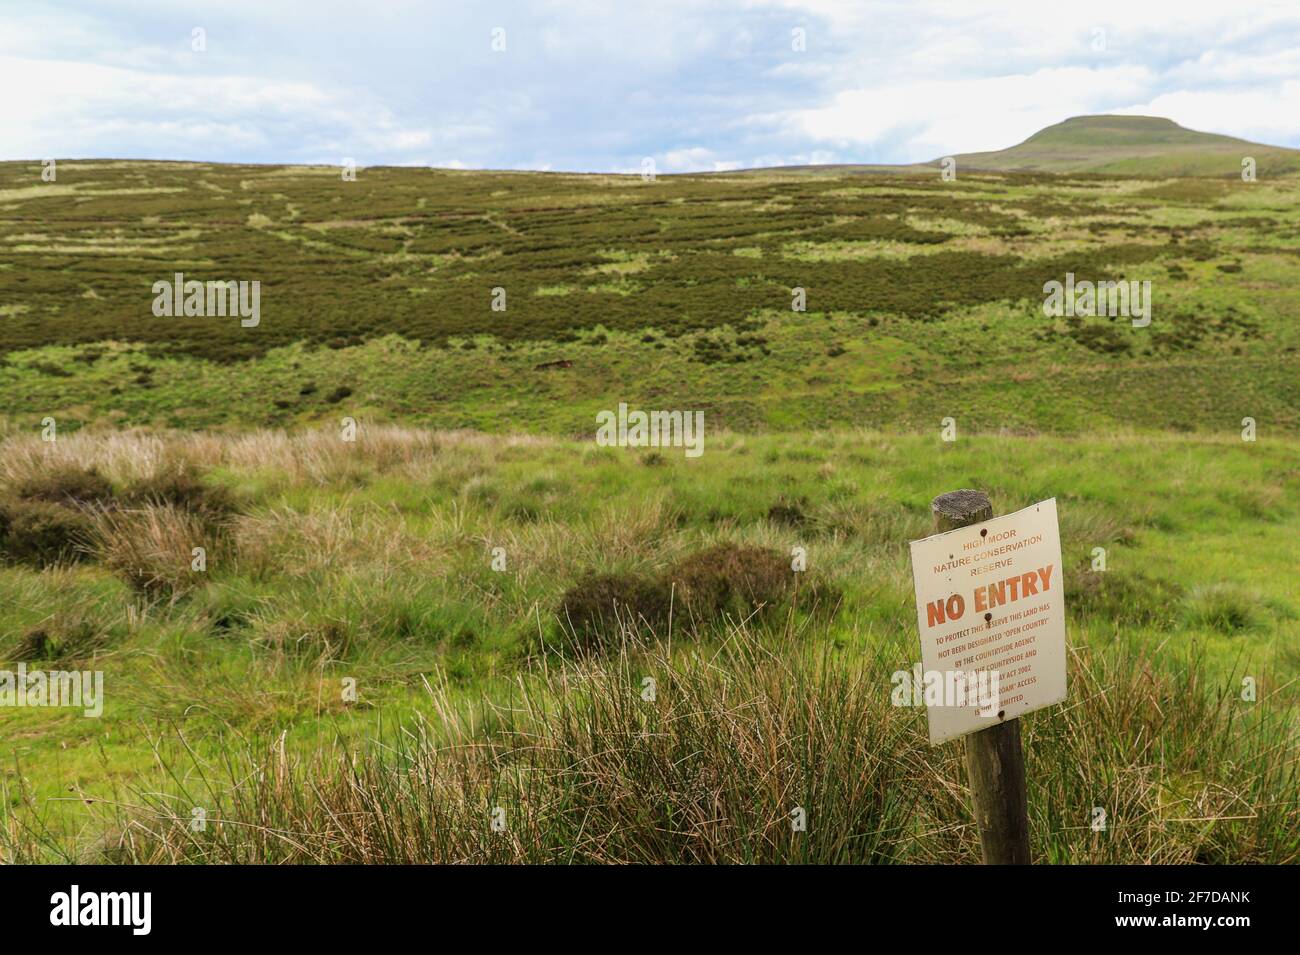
(694, 85)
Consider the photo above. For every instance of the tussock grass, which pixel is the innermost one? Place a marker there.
(373, 561)
(121, 457)
(282, 541)
(1225, 608)
(152, 547)
(581, 763)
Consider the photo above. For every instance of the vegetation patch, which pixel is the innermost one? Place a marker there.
(65, 640)
(731, 579)
(42, 534)
(599, 611)
(68, 485)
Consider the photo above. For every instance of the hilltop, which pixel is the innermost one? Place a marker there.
(1132, 145)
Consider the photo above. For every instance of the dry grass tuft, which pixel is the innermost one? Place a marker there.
(121, 457)
(322, 457)
(152, 547)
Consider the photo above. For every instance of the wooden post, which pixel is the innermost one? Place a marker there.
(994, 760)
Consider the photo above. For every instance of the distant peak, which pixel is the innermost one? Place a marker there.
(1108, 130)
(1143, 145)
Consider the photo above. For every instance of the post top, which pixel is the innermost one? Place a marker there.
(966, 506)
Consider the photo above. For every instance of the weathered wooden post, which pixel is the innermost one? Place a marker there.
(994, 760)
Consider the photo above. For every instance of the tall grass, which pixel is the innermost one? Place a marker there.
(580, 765)
(151, 548)
(373, 560)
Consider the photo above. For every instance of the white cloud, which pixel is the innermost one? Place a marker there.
(1266, 117)
(929, 118)
(586, 84)
(59, 106)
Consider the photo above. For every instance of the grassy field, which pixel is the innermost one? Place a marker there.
(386, 642)
(491, 688)
(923, 299)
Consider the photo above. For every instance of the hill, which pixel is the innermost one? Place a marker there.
(1132, 145)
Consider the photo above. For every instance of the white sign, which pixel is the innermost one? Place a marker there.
(991, 612)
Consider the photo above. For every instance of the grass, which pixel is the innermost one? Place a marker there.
(758, 751)
(373, 562)
(923, 299)
(362, 650)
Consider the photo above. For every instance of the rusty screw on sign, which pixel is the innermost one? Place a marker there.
(994, 760)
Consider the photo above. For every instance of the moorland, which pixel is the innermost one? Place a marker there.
(428, 603)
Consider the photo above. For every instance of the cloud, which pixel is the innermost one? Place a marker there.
(697, 85)
(923, 120)
(130, 113)
(1267, 117)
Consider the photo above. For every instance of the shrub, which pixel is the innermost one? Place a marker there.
(1103, 339)
(67, 485)
(181, 487)
(731, 578)
(787, 513)
(41, 533)
(596, 611)
(49, 368)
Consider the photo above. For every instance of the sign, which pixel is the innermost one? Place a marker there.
(991, 613)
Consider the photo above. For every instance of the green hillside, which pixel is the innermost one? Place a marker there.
(1133, 145)
(923, 299)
